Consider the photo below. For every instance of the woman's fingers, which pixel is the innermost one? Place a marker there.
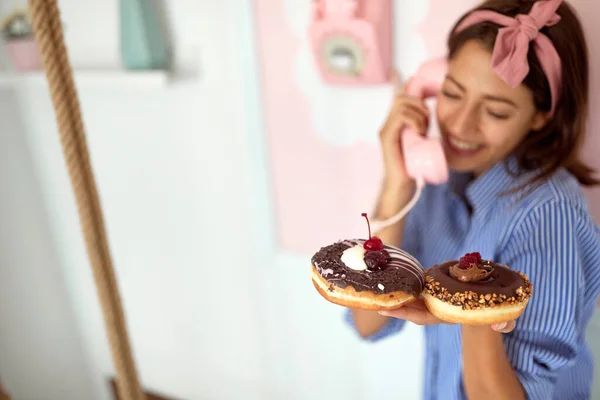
(504, 327)
(404, 101)
(415, 312)
(404, 116)
(396, 82)
(417, 104)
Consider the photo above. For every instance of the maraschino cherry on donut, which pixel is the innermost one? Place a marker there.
(470, 268)
(366, 273)
(474, 291)
(376, 257)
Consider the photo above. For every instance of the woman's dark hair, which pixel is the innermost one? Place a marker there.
(557, 144)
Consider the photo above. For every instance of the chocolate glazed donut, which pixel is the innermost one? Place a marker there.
(367, 274)
(475, 291)
(340, 277)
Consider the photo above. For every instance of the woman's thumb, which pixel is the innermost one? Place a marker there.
(397, 83)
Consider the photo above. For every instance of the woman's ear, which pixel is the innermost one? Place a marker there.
(540, 119)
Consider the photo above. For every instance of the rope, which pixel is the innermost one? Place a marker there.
(49, 36)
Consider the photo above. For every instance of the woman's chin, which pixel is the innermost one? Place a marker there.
(458, 164)
(461, 169)
(462, 164)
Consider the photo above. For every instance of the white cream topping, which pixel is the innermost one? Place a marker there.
(353, 258)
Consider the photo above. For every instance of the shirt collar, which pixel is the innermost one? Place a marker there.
(483, 192)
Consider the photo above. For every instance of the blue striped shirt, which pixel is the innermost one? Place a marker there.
(546, 233)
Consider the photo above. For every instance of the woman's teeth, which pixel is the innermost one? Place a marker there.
(462, 145)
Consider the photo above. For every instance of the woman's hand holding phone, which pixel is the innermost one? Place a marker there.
(405, 111)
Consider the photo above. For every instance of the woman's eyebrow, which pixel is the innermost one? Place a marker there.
(489, 97)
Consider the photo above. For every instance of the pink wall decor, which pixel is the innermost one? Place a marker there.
(352, 40)
(319, 189)
(24, 54)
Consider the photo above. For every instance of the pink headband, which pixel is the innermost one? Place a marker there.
(509, 59)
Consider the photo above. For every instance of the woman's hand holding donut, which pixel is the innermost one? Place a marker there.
(415, 312)
(504, 327)
(418, 314)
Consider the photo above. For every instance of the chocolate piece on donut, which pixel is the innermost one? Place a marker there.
(475, 291)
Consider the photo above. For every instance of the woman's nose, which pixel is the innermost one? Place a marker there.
(464, 120)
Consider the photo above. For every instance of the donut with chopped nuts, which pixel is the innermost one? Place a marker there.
(473, 291)
(367, 274)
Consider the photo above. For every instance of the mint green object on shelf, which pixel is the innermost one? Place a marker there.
(143, 45)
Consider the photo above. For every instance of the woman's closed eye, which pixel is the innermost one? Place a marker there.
(497, 115)
(450, 95)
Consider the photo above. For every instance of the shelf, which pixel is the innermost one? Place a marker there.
(98, 77)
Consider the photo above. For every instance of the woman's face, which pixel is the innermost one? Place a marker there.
(482, 119)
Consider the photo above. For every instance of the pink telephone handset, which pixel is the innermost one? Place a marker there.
(424, 158)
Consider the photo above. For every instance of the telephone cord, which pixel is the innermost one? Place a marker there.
(379, 225)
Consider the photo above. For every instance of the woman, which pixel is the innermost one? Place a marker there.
(512, 114)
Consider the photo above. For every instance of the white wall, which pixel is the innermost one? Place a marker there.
(42, 355)
(213, 311)
(178, 233)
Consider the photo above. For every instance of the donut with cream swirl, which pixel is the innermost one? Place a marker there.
(473, 291)
(342, 276)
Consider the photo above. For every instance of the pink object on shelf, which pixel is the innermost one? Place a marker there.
(24, 54)
(352, 40)
(424, 157)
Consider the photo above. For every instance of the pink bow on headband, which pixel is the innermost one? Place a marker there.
(509, 59)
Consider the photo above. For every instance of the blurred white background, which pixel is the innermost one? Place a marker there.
(214, 311)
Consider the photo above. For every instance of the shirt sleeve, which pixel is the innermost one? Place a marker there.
(544, 248)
